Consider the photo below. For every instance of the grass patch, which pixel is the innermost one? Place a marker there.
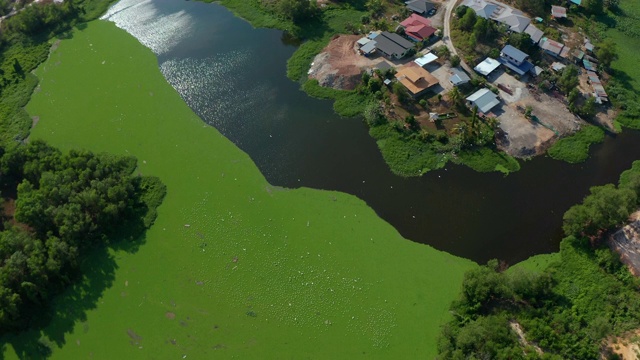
(233, 267)
(405, 155)
(575, 148)
(347, 103)
(488, 160)
(536, 263)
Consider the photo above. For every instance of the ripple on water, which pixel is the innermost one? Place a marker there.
(142, 19)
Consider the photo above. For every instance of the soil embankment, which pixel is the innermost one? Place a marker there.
(339, 65)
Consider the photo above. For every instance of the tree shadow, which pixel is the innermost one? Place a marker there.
(51, 325)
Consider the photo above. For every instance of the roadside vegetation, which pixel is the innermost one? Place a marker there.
(565, 310)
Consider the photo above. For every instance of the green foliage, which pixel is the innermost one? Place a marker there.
(575, 148)
(603, 209)
(606, 52)
(484, 159)
(468, 20)
(455, 60)
(297, 11)
(348, 103)
(71, 202)
(568, 79)
(567, 309)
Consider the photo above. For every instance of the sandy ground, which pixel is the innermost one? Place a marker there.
(524, 137)
(627, 346)
(339, 65)
(626, 242)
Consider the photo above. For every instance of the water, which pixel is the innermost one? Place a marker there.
(234, 77)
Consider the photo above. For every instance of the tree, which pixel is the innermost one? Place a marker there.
(297, 10)
(569, 79)
(593, 6)
(588, 109)
(455, 60)
(468, 20)
(455, 96)
(611, 4)
(603, 209)
(606, 52)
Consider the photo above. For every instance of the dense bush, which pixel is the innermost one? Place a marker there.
(567, 309)
(66, 204)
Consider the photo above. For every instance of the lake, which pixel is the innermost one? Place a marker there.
(234, 78)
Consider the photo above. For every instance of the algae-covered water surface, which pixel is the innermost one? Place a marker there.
(233, 266)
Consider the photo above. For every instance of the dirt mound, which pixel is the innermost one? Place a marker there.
(339, 65)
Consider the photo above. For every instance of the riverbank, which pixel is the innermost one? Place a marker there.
(320, 276)
(397, 147)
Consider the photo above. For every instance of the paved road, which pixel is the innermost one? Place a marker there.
(451, 4)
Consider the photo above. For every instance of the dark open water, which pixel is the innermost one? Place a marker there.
(234, 77)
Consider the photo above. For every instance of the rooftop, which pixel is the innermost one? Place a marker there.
(484, 100)
(551, 46)
(420, 6)
(392, 43)
(415, 78)
(535, 33)
(558, 12)
(426, 59)
(415, 20)
(459, 77)
(514, 53)
(487, 66)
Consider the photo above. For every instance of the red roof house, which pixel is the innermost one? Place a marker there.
(417, 27)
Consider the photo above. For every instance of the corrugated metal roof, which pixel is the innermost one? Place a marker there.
(427, 59)
(484, 100)
(487, 66)
(514, 53)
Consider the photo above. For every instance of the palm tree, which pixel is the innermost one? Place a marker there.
(455, 96)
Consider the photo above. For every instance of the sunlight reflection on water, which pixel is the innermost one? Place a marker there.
(142, 19)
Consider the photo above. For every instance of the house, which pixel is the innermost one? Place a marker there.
(515, 60)
(426, 59)
(537, 70)
(487, 66)
(513, 55)
(421, 7)
(393, 45)
(418, 28)
(551, 47)
(458, 77)
(383, 66)
(514, 19)
(534, 33)
(483, 8)
(577, 2)
(558, 12)
(416, 79)
(484, 100)
(369, 48)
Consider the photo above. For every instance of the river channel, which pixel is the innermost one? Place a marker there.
(234, 78)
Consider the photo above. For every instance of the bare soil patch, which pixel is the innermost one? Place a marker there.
(626, 242)
(529, 137)
(339, 65)
(627, 347)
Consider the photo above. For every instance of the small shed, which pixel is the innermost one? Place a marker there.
(426, 59)
(487, 66)
(484, 100)
(458, 77)
(369, 48)
(558, 12)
